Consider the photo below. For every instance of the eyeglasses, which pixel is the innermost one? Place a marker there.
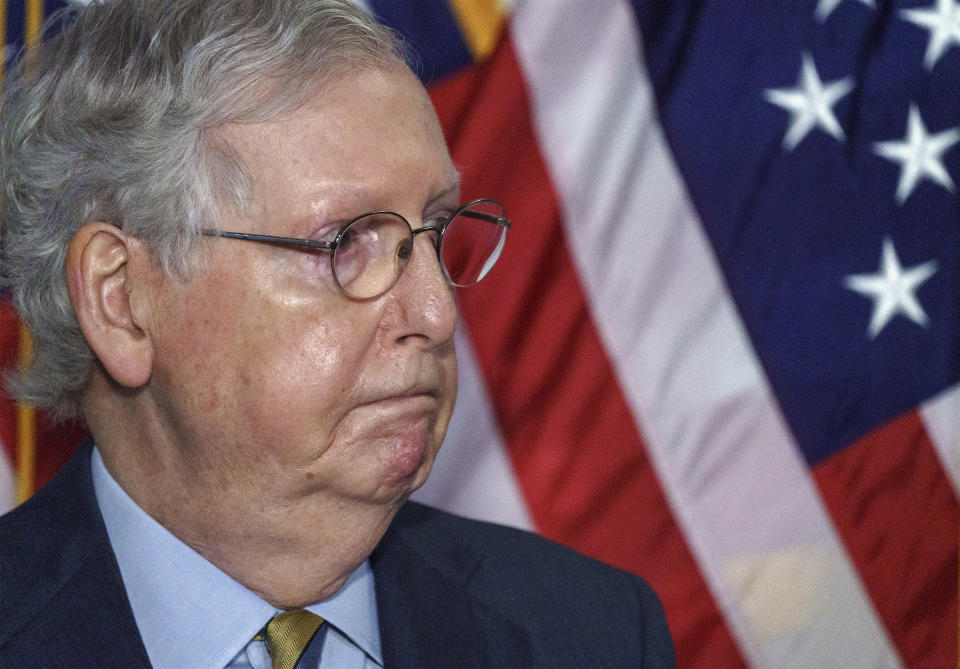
(370, 252)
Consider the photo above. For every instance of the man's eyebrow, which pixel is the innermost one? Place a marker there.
(452, 185)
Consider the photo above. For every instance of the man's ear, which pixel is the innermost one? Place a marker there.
(97, 277)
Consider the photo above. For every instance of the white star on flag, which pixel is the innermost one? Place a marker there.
(826, 7)
(943, 22)
(920, 155)
(810, 103)
(893, 289)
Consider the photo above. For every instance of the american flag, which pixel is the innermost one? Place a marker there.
(722, 347)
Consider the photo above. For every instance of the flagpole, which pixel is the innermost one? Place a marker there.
(26, 429)
(26, 415)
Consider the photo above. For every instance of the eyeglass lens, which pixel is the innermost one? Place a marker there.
(372, 252)
(472, 243)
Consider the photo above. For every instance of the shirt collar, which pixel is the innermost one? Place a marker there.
(353, 611)
(190, 613)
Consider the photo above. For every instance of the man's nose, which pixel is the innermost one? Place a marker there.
(425, 298)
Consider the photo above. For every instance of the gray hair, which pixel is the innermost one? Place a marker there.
(110, 121)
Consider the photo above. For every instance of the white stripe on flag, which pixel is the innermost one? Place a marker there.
(732, 472)
(941, 416)
(472, 475)
(8, 484)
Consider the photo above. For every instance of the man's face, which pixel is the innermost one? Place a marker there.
(270, 384)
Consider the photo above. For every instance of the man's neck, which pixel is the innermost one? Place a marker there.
(291, 553)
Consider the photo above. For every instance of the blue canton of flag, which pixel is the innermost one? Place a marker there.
(821, 147)
(430, 30)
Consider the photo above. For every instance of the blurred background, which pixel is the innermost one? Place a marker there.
(722, 347)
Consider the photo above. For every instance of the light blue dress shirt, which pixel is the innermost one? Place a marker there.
(191, 614)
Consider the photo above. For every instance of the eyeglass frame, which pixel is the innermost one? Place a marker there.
(331, 246)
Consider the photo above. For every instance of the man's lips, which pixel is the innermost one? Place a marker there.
(405, 393)
(419, 402)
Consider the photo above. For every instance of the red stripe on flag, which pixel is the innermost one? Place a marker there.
(896, 511)
(579, 458)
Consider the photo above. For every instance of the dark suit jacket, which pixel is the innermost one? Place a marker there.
(450, 593)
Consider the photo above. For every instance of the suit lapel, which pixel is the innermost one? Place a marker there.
(425, 619)
(64, 600)
(428, 615)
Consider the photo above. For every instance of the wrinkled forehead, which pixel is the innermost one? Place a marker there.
(372, 130)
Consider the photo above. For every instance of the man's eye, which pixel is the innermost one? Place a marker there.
(349, 237)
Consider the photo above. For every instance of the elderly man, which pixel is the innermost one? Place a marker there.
(212, 227)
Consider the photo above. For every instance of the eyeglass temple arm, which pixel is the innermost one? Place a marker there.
(327, 246)
(489, 218)
(270, 239)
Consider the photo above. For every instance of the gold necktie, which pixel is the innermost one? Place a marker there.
(288, 635)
